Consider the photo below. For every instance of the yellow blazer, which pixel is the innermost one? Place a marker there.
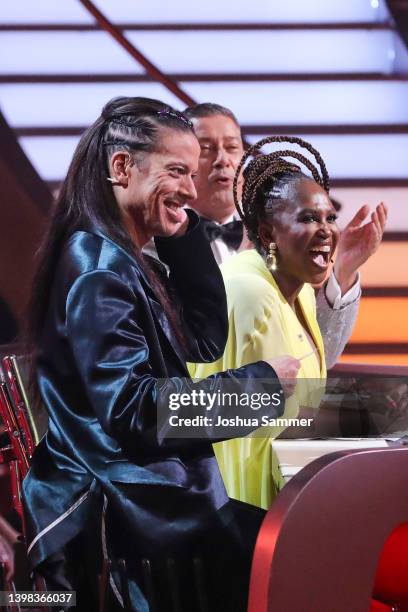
(262, 325)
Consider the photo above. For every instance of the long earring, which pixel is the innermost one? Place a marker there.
(271, 262)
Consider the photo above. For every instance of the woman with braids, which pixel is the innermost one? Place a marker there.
(291, 220)
(111, 338)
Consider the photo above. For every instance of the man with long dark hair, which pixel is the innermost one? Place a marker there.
(108, 341)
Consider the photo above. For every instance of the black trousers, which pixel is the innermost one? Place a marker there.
(209, 574)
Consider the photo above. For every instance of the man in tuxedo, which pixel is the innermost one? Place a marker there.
(220, 139)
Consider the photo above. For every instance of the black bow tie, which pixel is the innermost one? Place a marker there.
(230, 233)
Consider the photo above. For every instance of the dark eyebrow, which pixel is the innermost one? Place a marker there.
(313, 211)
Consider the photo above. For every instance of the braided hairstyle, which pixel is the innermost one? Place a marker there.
(133, 124)
(266, 176)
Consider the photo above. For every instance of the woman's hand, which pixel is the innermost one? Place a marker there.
(286, 368)
(357, 243)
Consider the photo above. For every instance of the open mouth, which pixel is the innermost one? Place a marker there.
(321, 255)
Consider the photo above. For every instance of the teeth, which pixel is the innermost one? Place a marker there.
(323, 249)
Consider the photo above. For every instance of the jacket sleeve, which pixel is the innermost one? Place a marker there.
(199, 287)
(105, 333)
(336, 326)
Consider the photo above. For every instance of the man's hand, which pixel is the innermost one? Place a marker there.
(286, 369)
(183, 225)
(7, 557)
(357, 243)
(8, 537)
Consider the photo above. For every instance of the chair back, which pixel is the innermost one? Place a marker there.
(21, 406)
(19, 426)
(14, 455)
(319, 545)
(16, 450)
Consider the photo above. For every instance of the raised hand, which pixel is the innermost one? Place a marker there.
(357, 243)
(183, 225)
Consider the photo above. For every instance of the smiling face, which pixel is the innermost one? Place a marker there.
(305, 231)
(221, 151)
(153, 189)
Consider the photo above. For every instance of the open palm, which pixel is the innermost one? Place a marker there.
(358, 242)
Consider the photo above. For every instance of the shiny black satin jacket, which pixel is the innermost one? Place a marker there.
(106, 340)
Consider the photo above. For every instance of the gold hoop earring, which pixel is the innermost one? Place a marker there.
(271, 261)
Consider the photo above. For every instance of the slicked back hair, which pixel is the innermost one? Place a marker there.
(209, 109)
(131, 124)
